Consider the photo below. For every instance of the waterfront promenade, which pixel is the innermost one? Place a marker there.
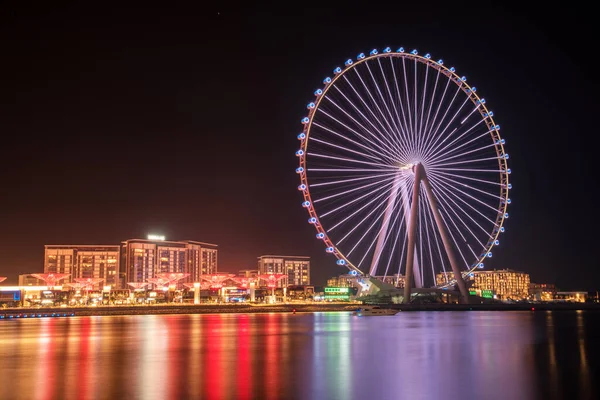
(285, 308)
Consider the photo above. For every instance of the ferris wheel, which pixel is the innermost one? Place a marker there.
(403, 170)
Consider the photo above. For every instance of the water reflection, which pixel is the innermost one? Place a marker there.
(464, 355)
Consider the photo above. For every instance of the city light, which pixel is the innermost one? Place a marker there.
(156, 237)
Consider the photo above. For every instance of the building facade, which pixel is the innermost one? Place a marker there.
(296, 268)
(28, 280)
(505, 284)
(144, 258)
(83, 261)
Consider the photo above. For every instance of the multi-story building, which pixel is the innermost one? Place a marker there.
(542, 291)
(83, 261)
(145, 258)
(504, 284)
(296, 268)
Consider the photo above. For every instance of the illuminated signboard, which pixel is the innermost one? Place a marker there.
(342, 293)
(156, 237)
(337, 290)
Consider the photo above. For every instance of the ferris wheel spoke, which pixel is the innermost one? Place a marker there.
(495, 196)
(431, 102)
(455, 242)
(353, 179)
(466, 162)
(420, 138)
(446, 200)
(436, 156)
(375, 150)
(434, 161)
(478, 201)
(383, 190)
(350, 160)
(351, 170)
(391, 254)
(395, 128)
(382, 147)
(381, 240)
(437, 168)
(396, 84)
(365, 218)
(443, 191)
(421, 228)
(426, 213)
(383, 216)
(382, 135)
(436, 239)
(436, 137)
(429, 131)
(403, 130)
(351, 190)
(468, 178)
(412, 129)
(435, 152)
(346, 149)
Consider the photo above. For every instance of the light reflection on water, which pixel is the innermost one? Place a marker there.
(413, 355)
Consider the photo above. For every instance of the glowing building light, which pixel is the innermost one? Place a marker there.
(156, 237)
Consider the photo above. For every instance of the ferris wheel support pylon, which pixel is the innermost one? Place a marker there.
(406, 204)
(421, 176)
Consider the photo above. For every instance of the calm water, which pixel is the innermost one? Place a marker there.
(426, 355)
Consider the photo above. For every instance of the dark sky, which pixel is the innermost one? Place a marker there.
(117, 122)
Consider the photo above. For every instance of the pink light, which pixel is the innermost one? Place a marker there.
(172, 277)
(272, 279)
(137, 285)
(158, 282)
(50, 279)
(2, 278)
(90, 282)
(216, 280)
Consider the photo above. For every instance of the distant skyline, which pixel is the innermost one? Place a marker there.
(182, 122)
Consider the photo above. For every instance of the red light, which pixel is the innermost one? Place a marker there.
(532, 308)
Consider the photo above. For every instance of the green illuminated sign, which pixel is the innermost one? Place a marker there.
(336, 290)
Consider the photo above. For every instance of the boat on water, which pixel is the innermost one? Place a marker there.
(374, 310)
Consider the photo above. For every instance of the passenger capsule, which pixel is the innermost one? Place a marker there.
(387, 50)
(373, 52)
(474, 89)
(414, 52)
(464, 78)
(320, 235)
(361, 56)
(502, 229)
(338, 70)
(310, 106)
(312, 220)
(348, 62)
(506, 156)
(305, 120)
(318, 92)
(452, 69)
(428, 56)
(302, 136)
(502, 141)
(329, 250)
(327, 80)
(496, 242)
(509, 186)
(489, 254)
(508, 171)
(440, 61)
(400, 50)
(505, 215)
(497, 127)
(302, 187)
(508, 201)
(306, 204)
(480, 265)
(491, 113)
(299, 170)
(300, 153)
(341, 262)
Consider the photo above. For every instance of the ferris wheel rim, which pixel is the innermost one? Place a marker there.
(450, 74)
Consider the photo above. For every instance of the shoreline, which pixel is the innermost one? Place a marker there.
(12, 313)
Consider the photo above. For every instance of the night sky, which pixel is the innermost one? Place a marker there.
(121, 122)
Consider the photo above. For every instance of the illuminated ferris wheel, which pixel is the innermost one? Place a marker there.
(403, 170)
